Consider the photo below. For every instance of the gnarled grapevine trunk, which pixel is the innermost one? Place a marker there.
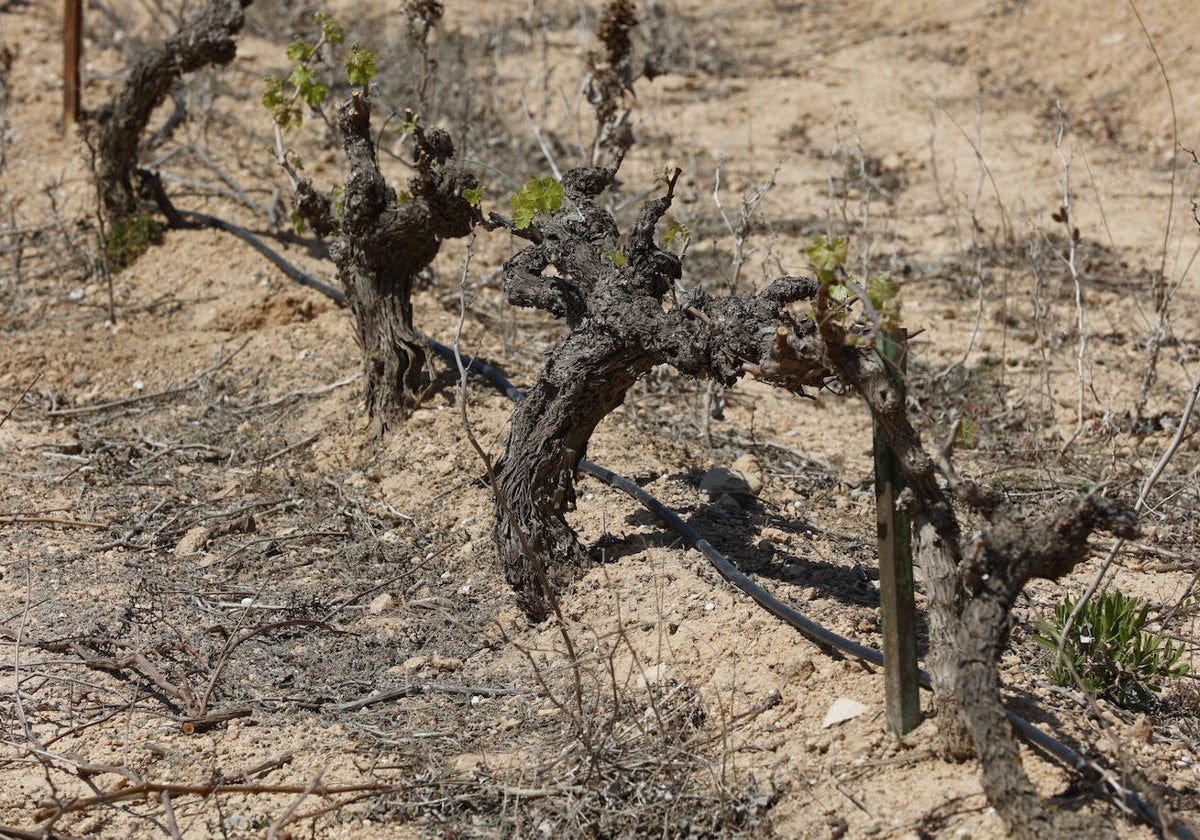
(971, 591)
(585, 380)
(613, 301)
(207, 39)
(937, 543)
(1009, 553)
(380, 246)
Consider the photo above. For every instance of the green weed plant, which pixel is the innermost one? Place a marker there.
(1110, 651)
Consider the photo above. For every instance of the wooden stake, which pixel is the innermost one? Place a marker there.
(72, 51)
(897, 608)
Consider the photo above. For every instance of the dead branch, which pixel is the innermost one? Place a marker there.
(299, 392)
(236, 641)
(23, 518)
(145, 789)
(261, 769)
(24, 394)
(17, 833)
(429, 688)
(213, 720)
(285, 817)
(137, 662)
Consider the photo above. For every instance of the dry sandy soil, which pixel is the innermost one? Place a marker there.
(226, 612)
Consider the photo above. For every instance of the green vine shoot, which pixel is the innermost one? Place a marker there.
(839, 291)
(537, 197)
(283, 97)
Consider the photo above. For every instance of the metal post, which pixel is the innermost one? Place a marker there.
(897, 608)
(72, 50)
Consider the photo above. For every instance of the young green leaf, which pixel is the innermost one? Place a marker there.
(272, 95)
(314, 94)
(828, 255)
(675, 230)
(968, 433)
(332, 31)
(840, 293)
(298, 50)
(539, 195)
(881, 291)
(473, 196)
(289, 119)
(885, 297)
(301, 76)
(522, 217)
(360, 66)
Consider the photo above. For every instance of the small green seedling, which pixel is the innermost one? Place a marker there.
(1110, 651)
(128, 237)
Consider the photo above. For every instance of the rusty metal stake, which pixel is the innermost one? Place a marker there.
(72, 51)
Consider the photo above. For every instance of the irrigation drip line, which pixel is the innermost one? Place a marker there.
(294, 273)
(1125, 799)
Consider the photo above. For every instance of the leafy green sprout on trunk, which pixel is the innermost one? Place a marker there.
(282, 97)
(302, 82)
(879, 296)
(537, 197)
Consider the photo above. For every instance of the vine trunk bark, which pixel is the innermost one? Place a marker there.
(207, 39)
(380, 246)
(583, 382)
(1006, 556)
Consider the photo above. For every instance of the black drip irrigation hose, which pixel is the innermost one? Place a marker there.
(1127, 800)
(295, 274)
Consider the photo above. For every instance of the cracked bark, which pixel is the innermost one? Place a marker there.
(620, 329)
(937, 539)
(207, 39)
(1008, 554)
(380, 245)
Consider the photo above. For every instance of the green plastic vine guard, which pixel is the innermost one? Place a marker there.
(896, 605)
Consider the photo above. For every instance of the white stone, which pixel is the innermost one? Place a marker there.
(381, 603)
(843, 709)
